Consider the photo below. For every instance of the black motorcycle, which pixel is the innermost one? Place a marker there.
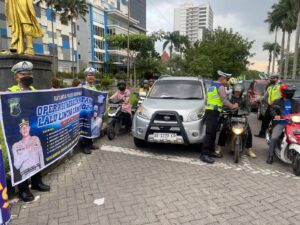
(237, 123)
(115, 121)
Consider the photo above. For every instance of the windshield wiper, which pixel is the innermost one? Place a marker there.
(168, 98)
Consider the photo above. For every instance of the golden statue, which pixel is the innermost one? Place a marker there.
(21, 19)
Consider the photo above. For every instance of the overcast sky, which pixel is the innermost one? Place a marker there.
(243, 16)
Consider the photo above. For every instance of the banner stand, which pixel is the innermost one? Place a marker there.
(5, 216)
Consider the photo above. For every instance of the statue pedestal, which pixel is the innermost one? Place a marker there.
(42, 72)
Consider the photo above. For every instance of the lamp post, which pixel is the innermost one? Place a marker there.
(128, 43)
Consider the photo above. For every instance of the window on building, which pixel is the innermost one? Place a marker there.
(99, 56)
(78, 27)
(99, 31)
(99, 44)
(99, 17)
(79, 56)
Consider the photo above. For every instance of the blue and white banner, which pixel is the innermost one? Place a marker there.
(4, 206)
(40, 127)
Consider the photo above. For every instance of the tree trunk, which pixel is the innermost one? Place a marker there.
(287, 56)
(72, 36)
(275, 50)
(296, 47)
(270, 60)
(282, 53)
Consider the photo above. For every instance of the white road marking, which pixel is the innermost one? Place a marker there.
(245, 164)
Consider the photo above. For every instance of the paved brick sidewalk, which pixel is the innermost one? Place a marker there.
(141, 190)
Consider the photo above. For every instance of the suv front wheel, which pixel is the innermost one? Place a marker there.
(138, 142)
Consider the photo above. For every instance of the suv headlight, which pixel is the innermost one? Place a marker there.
(194, 116)
(143, 113)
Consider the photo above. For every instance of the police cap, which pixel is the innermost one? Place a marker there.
(90, 71)
(275, 75)
(22, 67)
(222, 74)
(23, 122)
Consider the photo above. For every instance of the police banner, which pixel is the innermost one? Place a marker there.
(4, 209)
(40, 127)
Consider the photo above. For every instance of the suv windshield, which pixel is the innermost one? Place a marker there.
(260, 87)
(177, 89)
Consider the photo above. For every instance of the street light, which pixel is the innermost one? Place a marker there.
(128, 42)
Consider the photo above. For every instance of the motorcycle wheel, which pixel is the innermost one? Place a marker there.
(237, 147)
(296, 165)
(111, 132)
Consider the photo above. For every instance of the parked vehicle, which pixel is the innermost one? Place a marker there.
(255, 93)
(237, 124)
(246, 84)
(114, 114)
(171, 113)
(264, 105)
(288, 148)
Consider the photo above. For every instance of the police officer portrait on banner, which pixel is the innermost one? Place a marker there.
(28, 157)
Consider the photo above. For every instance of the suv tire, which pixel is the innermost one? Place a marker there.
(139, 143)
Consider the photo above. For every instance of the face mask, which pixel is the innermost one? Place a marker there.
(26, 81)
(273, 81)
(289, 95)
(95, 114)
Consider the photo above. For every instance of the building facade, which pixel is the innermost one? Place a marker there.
(192, 20)
(88, 43)
(106, 18)
(61, 46)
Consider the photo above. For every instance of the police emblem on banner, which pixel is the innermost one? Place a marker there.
(14, 105)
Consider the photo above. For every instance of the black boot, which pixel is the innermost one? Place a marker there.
(38, 184)
(26, 195)
(207, 159)
(86, 150)
(94, 147)
(260, 135)
(216, 155)
(270, 160)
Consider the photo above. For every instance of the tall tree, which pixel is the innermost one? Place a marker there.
(271, 47)
(224, 50)
(297, 8)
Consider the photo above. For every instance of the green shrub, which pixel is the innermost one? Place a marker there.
(121, 75)
(105, 81)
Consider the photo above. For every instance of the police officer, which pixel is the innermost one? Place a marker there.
(28, 152)
(87, 143)
(272, 94)
(24, 78)
(216, 98)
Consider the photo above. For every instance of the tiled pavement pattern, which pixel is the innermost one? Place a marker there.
(144, 190)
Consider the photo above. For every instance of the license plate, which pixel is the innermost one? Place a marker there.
(113, 105)
(296, 131)
(164, 136)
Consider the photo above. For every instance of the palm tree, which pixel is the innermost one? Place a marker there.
(297, 7)
(289, 25)
(271, 47)
(275, 18)
(71, 11)
(172, 39)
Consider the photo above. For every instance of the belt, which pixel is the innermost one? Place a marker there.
(215, 107)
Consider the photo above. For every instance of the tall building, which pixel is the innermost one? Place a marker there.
(62, 46)
(192, 20)
(107, 17)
